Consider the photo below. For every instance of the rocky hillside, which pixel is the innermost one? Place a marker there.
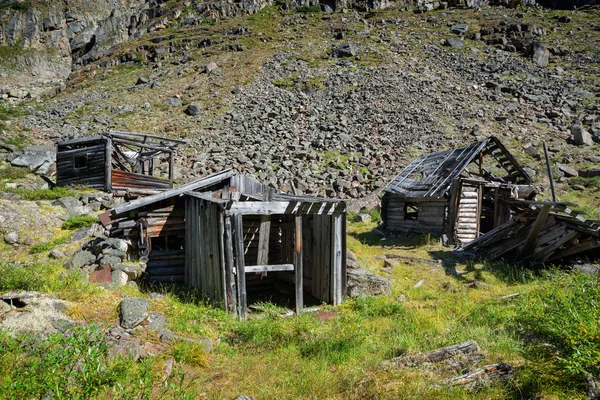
(330, 100)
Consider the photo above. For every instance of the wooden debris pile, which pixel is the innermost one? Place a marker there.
(459, 358)
(539, 232)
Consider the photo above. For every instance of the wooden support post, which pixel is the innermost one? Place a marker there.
(171, 172)
(238, 232)
(108, 166)
(336, 262)
(453, 209)
(549, 172)
(263, 240)
(222, 263)
(532, 236)
(231, 289)
(298, 266)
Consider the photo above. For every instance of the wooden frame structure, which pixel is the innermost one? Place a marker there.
(455, 192)
(228, 235)
(117, 161)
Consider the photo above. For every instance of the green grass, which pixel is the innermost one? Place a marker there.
(42, 247)
(42, 194)
(80, 221)
(11, 173)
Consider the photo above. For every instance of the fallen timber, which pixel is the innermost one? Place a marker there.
(539, 232)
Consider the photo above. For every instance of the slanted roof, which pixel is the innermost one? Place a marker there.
(431, 174)
(210, 180)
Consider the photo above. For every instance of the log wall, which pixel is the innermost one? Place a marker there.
(92, 174)
(430, 220)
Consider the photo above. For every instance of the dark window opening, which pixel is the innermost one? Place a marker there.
(175, 243)
(411, 212)
(80, 161)
(159, 243)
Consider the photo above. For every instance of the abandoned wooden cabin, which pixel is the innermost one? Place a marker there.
(235, 239)
(124, 163)
(455, 192)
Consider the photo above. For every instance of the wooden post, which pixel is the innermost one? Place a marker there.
(336, 264)
(298, 266)
(549, 172)
(222, 264)
(238, 231)
(231, 289)
(108, 166)
(263, 240)
(171, 172)
(453, 208)
(532, 236)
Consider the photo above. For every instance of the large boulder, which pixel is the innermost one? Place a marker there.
(132, 312)
(39, 159)
(581, 136)
(361, 282)
(540, 54)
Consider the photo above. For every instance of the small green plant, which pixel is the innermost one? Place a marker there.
(308, 9)
(288, 82)
(80, 221)
(190, 353)
(11, 173)
(42, 194)
(46, 246)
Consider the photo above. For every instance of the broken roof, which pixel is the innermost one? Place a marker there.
(431, 174)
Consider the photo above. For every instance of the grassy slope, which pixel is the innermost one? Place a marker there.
(333, 356)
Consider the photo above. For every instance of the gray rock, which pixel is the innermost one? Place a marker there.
(459, 29)
(109, 251)
(132, 312)
(119, 277)
(587, 269)
(78, 211)
(192, 109)
(567, 171)
(39, 159)
(363, 218)
(133, 272)
(56, 254)
(391, 263)
(345, 50)
(156, 296)
(364, 283)
(4, 307)
(539, 54)
(156, 322)
(109, 260)
(118, 244)
(211, 67)
(12, 238)
(68, 202)
(80, 259)
(123, 346)
(174, 101)
(581, 136)
(456, 43)
(142, 81)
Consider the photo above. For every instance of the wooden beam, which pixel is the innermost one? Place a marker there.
(238, 236)
(336, 264)
(222, 264)
(544, 253)
(143, 145)
(196, 185)
(108, 166)
(298, 266)
(231, 289)
(269, 268)
(171, 172)
(263, 240)
(124, 134)
(264, 208)
(453, 208)
(537, 226)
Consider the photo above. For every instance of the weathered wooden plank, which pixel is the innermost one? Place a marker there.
(240, 267)
(231, 289)
(336, 265)
(298, 273)
(269, 268)
(534, 231)
(108, 165)
(263, 240)
(222, 261)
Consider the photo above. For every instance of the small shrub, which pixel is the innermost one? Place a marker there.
(309, 9)
(80, 221)
(20, 6)
(42, 194)
(378, 307)
(46, 246)
(190, 353)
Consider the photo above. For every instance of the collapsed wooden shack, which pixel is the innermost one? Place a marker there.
(455, 192)
(540, 232)
(122, 162)
(233, 239)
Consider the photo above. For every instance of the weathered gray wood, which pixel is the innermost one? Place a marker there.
(298, 274)
(108, 165)
(269, 268)
(336, 265)
(222, 261)
(264, 208)
(532, 236)
(196, 185)
(239, 261)
(544, 253)
(125, 135)
(447, 352)
(231, 289)
(263, 240)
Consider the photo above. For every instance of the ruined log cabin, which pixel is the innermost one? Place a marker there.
(237, 240)
(124, 163)
(455, 192)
